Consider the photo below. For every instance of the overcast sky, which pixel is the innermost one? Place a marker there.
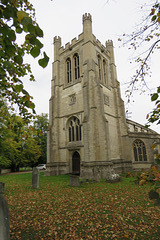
(110, 19)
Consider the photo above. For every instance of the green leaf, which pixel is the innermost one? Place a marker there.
(31, 38)
(26, 21)
(32, 105)
(38, 43)
(21, 15)
(44, 61)
(154, 97)
(158, 89)
(38, 31)
(10, 50)
(25, 92)
(18, 59)
(19, 30)
(19, 88)
(12, 35)
(35, 51)
(45, 56)
(31, 28)
(154, 18)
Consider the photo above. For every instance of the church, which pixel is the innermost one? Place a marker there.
(88, 131)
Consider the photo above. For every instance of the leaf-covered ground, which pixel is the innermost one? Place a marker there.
(92, 211)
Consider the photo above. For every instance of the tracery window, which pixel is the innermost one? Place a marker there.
(76, 66)
(74, 130)
(69, 73)
(139, 150)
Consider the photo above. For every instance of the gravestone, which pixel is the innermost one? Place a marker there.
(112, 176)
(74, 180)
(96, 174)
(1, 187)
(35, 178)
(4, 216)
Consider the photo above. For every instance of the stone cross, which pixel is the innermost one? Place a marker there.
(4, 216)
(35, 178)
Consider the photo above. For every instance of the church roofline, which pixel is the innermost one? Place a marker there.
(141, 126)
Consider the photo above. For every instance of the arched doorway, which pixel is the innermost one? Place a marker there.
(76, 163)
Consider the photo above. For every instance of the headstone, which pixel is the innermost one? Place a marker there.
(113, 177)
(96, 174)
(4, 216)
(1, 187)
(74, 180)
(35, 178)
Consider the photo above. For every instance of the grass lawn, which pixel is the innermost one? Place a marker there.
(92, 211)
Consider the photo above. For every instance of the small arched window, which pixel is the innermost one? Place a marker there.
(74, 130)
(99, 67)
(69, 73)
(139, 150)
(76, 66)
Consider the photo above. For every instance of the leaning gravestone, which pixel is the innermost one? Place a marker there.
(35, 178)
(74, 180)
(4, 216)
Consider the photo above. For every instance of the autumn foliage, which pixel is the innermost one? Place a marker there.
(152, 178)
(92, 211)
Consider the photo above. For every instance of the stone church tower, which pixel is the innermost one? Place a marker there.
(88, 131)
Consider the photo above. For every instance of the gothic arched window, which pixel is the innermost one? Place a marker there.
(139, 150)
(69, 73)
(76, 66)
(99, 67)
(74, 130)
(104, 71)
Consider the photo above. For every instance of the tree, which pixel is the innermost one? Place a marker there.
(18, 146)
(148, 36)
(31, 150)
(41, 127)
(17, 17)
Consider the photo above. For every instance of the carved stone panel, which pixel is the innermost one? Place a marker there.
(72, 99)
(106, 100)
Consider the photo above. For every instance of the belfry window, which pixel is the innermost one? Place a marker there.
(74, 130)
(104, 71)
(69, 73)
(99, 67)
(139, 150)
(76, 66)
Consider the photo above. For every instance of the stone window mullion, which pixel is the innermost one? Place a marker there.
(139, 149)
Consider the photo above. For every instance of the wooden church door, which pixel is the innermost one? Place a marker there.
(76, 163)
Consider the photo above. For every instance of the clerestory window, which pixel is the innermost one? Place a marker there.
(74, 130)
(139, 150)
